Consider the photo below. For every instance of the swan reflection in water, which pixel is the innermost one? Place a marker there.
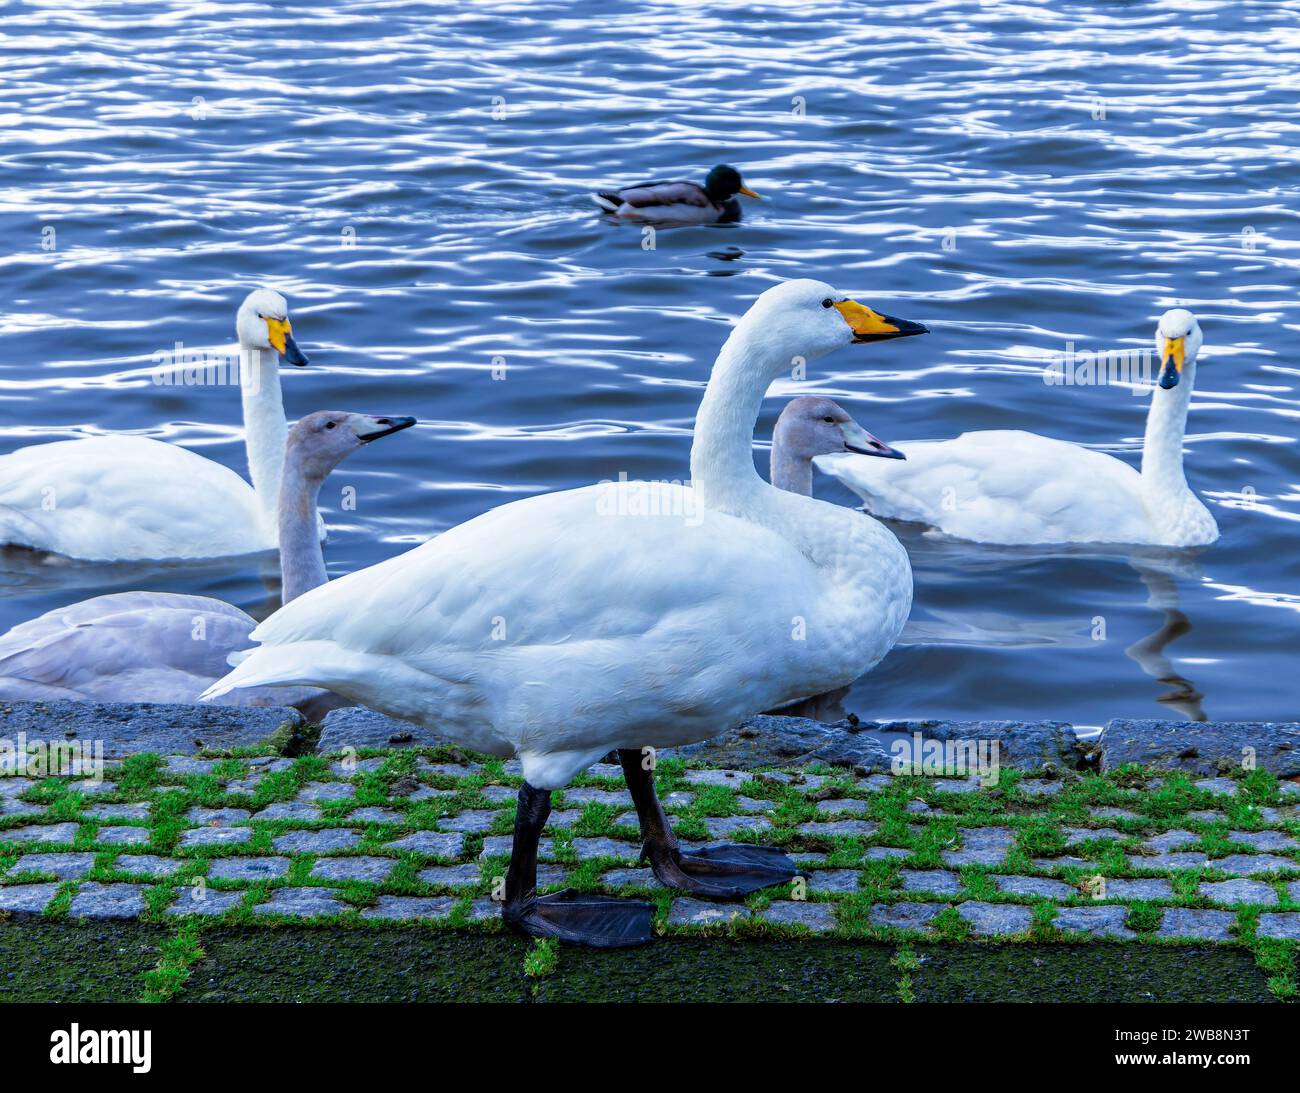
(963, 613)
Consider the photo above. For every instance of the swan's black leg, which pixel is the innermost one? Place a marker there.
(570, 916)
(727, 871)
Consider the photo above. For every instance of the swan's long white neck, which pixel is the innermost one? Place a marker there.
(722, 461)
(265, 430)
(1162, 449)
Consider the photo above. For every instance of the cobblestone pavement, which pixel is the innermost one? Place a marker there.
(424, 837)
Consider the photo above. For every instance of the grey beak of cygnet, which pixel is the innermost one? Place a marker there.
(372, 428)
(857, 439)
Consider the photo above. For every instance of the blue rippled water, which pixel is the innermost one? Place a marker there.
(413, 176)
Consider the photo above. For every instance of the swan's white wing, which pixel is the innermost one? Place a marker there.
(119, 498)
(1001, 486)
(546, 616)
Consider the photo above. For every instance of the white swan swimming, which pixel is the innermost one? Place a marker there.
(164, 647)
(1012, 487)
(130, 498)
(630, 616)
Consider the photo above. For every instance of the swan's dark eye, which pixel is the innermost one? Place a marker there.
(828, 302)
(829, 420)
(330, 424)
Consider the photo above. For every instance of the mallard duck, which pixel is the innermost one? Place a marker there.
(680, 202)
(632, 616)
(1011, 487)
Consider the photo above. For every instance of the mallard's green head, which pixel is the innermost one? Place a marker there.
(724, 182)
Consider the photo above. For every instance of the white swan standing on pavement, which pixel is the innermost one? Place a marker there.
(629, 616)
(164, 647)
(130, 498)
(1012, 487)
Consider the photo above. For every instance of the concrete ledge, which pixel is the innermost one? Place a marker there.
(128, 728)
(1206, 748)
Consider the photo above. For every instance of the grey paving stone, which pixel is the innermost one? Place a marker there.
(1171, 840)
(1065, 861)
(605, 770)
(586, 849)
(244, 785)
(879, 853)
(843, 805)
(995, 919)
(1206, 816)
(289, 810)
(101, 902)
(550, 876)
(755, 804)
(326, 791)
(11, 807)
(438, 844)
(500, 845)
(840, 829)
(1218, 785)
(1228, 892)
(123, 836)
(875, 783)
(41, 833)
(905, 916)
(935, 881)
(27, 899)
(917, 807)
(249, 869)
(1293, 891)
(1035, 887)
(564, 818)
(187, 764)
(405, 908)
(1076, 836)
(587, 795)
(368, 869)
(1164, 863)
(218, 817)
(1036, 788)
(1284, 925)
(1110, 813)
(215, 836)
(721, 827)
(729, 778)
(1203, 925)
(1289, 789)
(268, 764)
(991, 856)
(469, 823)
(464, 875)
(977, 838)
(500, 795)
(630, 878)
(13, 785)
(63, 866)
(320, 842)
(832, 880)
(695, 912)
(351, 768)
(1248, 865)
(117, 812)
(817, 917)
(483, 910)
(955, 785)
(448, 770)
(148, 865)
(375, 815)
(1264, 840)
(1104, 921)
(301, 902)
(1146, 888)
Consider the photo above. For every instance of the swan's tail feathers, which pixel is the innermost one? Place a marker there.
(610, 202)
(301, 663)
